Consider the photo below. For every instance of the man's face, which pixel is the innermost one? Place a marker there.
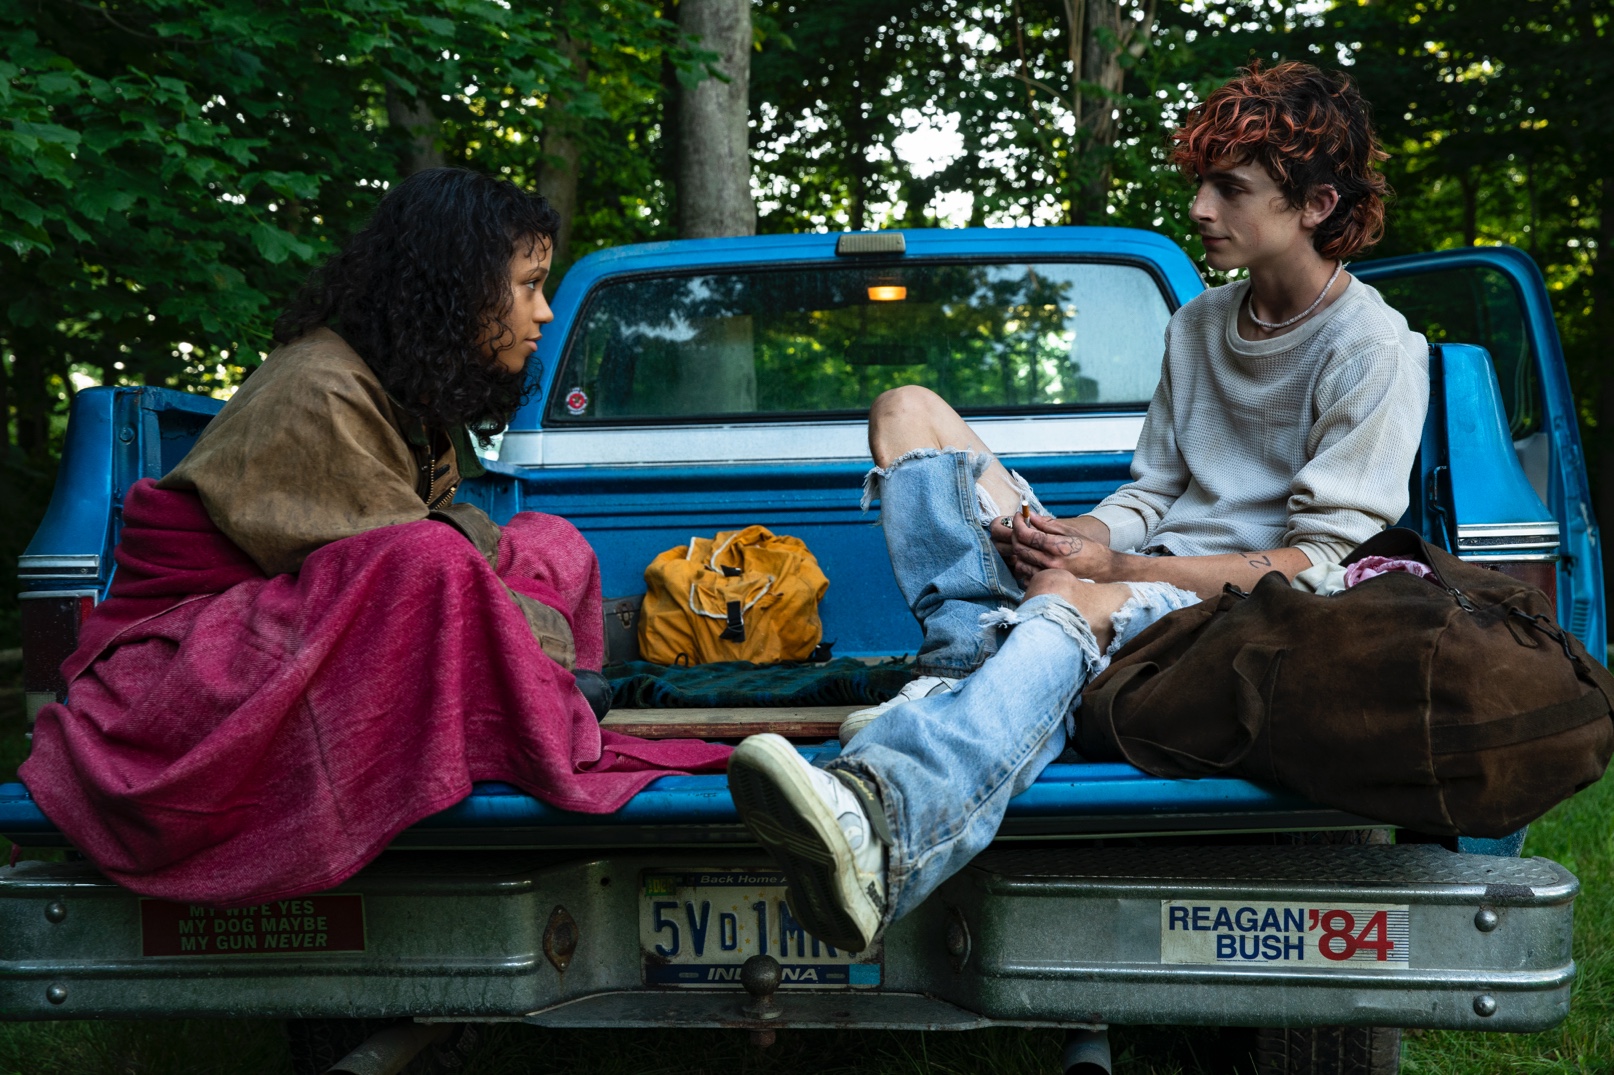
(1243, 218)
(529, 311)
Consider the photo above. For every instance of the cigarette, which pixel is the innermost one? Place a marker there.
(1025, 510)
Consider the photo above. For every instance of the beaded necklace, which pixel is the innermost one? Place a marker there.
(1249, 304)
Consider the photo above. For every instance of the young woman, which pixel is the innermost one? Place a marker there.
(308, 645)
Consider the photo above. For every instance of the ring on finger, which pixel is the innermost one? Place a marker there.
(1008, 522)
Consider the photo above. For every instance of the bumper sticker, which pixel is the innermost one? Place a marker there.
(284, 927)
(1316, 936)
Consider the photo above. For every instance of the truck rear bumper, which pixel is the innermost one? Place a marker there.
(1027, 936)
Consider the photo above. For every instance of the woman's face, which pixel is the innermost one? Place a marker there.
(529, 311)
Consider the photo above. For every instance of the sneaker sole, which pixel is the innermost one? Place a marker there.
(782, 810)
(854, 724)
(859, 719)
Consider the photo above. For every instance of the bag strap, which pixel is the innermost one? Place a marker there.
(1519, 727)
(1095, 727)
(1257, 670)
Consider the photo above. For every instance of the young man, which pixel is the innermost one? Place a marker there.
(1288, 413)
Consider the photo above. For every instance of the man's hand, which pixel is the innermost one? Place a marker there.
(1081, 547)
(1040, 543)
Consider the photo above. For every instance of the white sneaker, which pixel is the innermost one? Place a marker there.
(923, 687)
(815, 828)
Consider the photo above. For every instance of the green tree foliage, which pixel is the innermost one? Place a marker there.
(839, 83)
(170, 169)
(1499, 121)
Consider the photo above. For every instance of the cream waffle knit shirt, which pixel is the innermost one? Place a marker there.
(1304, 440)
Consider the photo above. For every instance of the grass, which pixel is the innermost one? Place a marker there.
(1579, 834)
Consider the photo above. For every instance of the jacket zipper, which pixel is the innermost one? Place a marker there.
(431, 471)
(431, 481)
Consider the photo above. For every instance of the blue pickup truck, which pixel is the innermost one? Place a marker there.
(692, 387)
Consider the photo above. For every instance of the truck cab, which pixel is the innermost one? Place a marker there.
(691, 387)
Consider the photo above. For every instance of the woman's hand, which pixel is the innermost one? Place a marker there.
(1040, 543)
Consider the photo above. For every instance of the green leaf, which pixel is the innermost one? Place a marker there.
(276, 245)
(95, 202)
(26, 240)
(46, 133)
(58, 83)
(292, 184)
(26, 211)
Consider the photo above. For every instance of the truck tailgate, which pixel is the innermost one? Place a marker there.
(1030, 936)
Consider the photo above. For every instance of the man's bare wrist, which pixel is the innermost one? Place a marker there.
(1092, 528)
(1128, 567)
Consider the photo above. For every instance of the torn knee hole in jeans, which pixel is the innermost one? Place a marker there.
(876, 473)
(1055, 610)
(1148, 603)
(986, 508)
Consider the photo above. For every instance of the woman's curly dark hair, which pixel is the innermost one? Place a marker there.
(1308, 128)
(423, 288)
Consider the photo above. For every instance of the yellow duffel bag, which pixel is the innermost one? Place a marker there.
(745, 595)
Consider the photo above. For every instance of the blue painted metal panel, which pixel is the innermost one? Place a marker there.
(1580, 575)
(78, 519)
(1062, 791)
(631, 514)
(1488, 485)
(115, 437)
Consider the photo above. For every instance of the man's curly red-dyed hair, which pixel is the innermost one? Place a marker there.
(1308, 128)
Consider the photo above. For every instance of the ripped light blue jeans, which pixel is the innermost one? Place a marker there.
(946, 766)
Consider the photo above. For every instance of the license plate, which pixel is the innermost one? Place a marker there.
(1311, 935)
(696, 927)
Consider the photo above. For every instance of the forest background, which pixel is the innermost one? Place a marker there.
(171, 169)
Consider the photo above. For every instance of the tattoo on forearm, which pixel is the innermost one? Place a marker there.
(1259, 561)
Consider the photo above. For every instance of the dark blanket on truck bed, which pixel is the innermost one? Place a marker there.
(741, 684)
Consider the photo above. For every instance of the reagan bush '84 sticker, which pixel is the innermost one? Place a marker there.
(1316, 936)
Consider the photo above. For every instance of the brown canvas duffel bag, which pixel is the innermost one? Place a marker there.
(1457, 706)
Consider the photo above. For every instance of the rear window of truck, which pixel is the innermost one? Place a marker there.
(824, 341)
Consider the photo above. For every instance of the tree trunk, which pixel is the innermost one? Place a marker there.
(1600, 327)
(414, 116)
(30, 379)
(859, 133)
(557, 180)
(1099, 31)
(714, 160)
(1468, 183)
(5, 401)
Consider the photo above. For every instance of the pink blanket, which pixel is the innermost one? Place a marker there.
(230, 738)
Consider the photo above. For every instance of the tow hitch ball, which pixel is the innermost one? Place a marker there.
(761, 975)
